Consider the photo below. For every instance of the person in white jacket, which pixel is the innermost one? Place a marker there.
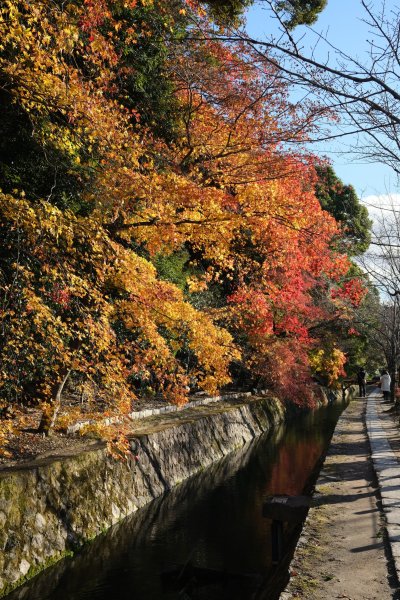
(385, 384)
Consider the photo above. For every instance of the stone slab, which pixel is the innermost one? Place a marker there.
(387, 470)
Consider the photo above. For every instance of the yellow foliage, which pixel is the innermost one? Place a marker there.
(328, 362)
(81, 298)
(70, 310)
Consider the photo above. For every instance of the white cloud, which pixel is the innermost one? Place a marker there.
(383, 257)
(379, 205)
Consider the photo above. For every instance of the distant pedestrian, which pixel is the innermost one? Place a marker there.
(385, 384)
(362, 382)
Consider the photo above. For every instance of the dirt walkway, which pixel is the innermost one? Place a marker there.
(343, 552)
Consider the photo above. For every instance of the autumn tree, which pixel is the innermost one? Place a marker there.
(99, 199)
(341, 201)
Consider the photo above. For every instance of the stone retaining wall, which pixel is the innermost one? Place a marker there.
(52, 506)
(166, 408)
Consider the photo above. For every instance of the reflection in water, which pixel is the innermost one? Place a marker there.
(212, 521)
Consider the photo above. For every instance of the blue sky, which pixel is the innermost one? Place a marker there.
(341, 21)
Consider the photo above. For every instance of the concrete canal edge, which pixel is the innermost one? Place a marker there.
(52, 506)
(343, 550)
(387, 469)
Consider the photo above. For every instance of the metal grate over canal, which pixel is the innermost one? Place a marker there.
(209, 538)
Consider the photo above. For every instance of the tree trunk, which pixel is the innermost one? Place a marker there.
(49, 418)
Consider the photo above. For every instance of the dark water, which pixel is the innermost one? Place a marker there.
(214, 521)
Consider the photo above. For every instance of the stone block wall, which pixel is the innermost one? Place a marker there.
(52, 506)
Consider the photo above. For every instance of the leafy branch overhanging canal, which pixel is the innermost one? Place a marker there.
(161, 236)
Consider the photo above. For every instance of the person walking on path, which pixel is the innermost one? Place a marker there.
(362, 381)
(385, 384)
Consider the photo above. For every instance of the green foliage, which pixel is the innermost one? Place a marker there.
(173, 267)
(365, 348)
(228, 11)
(297, 12)
(301, 12)
(342, 203)
(146, 86)
(177, 268)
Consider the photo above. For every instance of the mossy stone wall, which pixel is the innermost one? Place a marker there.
(52, 506)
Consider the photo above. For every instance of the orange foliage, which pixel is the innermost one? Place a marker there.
(80, 296)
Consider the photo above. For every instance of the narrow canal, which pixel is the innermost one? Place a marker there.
(210, 528)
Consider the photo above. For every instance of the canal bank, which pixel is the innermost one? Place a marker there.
(211, 529)
(347, 545)
(53, 505)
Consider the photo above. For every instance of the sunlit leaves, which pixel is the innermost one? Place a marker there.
(80, 290)
(64, 314)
